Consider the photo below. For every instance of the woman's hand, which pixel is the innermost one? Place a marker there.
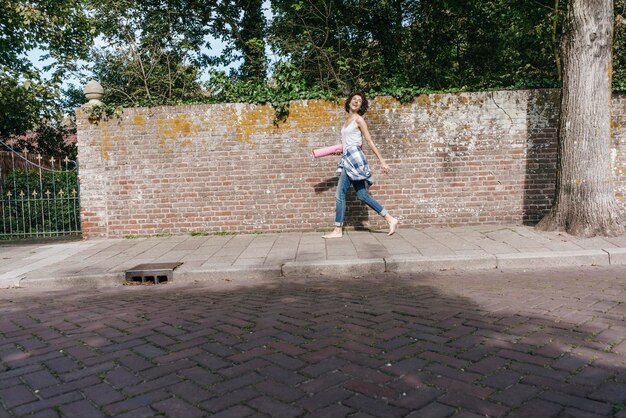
(386, 168)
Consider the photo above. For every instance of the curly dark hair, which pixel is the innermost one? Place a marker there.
(364, 104)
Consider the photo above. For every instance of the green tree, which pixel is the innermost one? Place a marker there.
(61, 30)
(250, 40)
(368, 44)
(155, 50)
(374, 41)
(311, 34)
(147, 76)
(34, 100)
(493, 43)
(151, 50)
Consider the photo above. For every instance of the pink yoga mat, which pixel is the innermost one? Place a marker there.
(323, 152)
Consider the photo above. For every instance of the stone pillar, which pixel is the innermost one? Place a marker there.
(94, 185)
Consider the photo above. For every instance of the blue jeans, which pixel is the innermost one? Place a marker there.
(360, 186)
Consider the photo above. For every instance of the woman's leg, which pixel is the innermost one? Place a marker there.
(340, 205)
(340, 198)
(363, 195)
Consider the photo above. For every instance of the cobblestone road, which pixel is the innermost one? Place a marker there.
(525, 344)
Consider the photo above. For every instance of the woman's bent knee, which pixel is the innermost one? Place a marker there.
(362, 195)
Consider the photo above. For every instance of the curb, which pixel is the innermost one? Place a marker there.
(616, 255)
(227, 274)
(350, 268)
(232, 274)
(557, 259)
(423, 264)
(95, 280)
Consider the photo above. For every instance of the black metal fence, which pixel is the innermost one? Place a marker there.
(39, 195)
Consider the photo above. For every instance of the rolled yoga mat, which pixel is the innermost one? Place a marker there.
(323, 152)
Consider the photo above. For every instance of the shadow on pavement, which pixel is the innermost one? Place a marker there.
(492, 344)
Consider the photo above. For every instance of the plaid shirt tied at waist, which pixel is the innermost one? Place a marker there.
(354, 162)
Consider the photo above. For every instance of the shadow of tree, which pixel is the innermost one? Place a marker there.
(326, 185)
(524, 344)
(541, 154)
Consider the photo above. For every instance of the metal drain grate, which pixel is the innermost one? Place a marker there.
(151, 273)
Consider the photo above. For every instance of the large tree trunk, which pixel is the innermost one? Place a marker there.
(585, 203)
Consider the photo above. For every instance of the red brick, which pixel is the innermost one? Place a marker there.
(80, 409)
(537, 408)
(103, 394)
(136, 402)
(16, 395)
(174, 407)
(369, 389)
(465, 401)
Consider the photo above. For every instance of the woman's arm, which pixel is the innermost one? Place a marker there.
(366, 133)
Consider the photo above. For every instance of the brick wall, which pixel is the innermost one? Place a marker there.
(467, 158)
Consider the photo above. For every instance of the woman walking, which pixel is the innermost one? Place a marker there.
(353, 167)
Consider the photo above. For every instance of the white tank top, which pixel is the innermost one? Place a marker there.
(351, 135)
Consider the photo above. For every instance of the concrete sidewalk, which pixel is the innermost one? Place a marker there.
(280, 255)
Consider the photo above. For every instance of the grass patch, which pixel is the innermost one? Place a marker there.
(223, 233)
(199, 233)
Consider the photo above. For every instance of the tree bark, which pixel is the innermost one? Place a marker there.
(585, 203)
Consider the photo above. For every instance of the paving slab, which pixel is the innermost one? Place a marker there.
(49, 255)
(357, 253)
